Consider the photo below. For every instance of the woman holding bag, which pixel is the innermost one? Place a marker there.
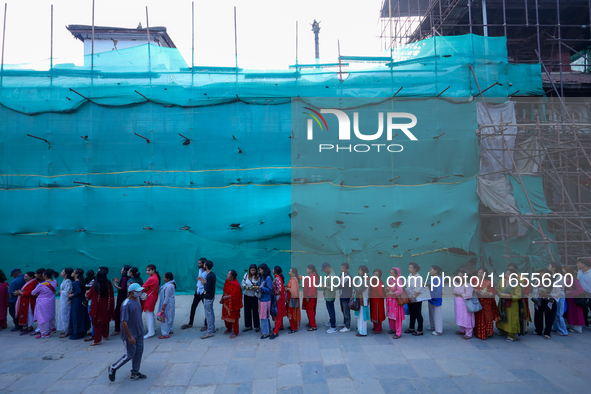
(251, 302)
(395, 296)
(266, 285)
(362, 294)
(463, 292)
(417, 293)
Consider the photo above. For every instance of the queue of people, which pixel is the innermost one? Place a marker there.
(88, 303)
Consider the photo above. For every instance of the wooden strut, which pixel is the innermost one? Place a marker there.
(42, 139)
(147, 99)
(443, 91)
(72, 90)
(147, 139)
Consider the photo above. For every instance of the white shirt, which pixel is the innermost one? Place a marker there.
(585, 279)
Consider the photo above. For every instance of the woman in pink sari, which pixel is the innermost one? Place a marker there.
(394, 312)
(45, 305)
(463, 291)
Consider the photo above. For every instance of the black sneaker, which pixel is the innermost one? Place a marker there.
(273, 336)
(111, 374)
(138, 376)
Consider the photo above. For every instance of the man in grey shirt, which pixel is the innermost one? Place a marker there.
(132, 334)
(346, 293)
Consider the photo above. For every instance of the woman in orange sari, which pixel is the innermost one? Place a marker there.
(232, 303)
(377, 309)
(293, 300)
(485, 318)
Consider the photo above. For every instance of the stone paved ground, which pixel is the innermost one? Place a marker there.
(305, 362)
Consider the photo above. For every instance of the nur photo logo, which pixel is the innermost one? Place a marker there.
(344, 130)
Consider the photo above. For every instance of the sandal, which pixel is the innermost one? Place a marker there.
(204, 328)
(115, 333)
(395, 336)
(207, 336)
(391, 332)
(227, 332)
(417, 334)
(460, 333)
(466, 337)
(247, 329)
(96, 343)
(233, 336)
(292, 331)
(265, 336)
(312, 329)
(376, 332)
(359, 335)
(409, 331)
(164, 337)
(185, 326)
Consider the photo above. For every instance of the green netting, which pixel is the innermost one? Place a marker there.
(129, 76)
(534, 256)
(111, 198)
(535, 191)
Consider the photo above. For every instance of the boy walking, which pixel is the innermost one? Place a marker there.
(132, 334)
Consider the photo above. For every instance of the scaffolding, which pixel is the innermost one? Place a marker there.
(554, 134)
(554, 32)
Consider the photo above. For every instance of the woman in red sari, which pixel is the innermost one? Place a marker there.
(377, 310)
(485, 318)
(102, 306)
(279, 294)
(26, 303)
(311, 296)
(232, 303)
(151, 288)
(293, 301)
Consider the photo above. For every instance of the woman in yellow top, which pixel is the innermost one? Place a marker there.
(509, 298)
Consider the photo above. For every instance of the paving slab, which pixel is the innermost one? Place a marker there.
(304, 362)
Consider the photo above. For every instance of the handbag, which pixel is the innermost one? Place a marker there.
(406, 311)
(144, 296)
(582, 302)
(274, 311)
(258, 293)
(403, 299)
(354, 304)
(294, 303)
(473, 305)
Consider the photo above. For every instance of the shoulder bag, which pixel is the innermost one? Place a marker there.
(354, 304)
(473, 305)
(403, 298)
